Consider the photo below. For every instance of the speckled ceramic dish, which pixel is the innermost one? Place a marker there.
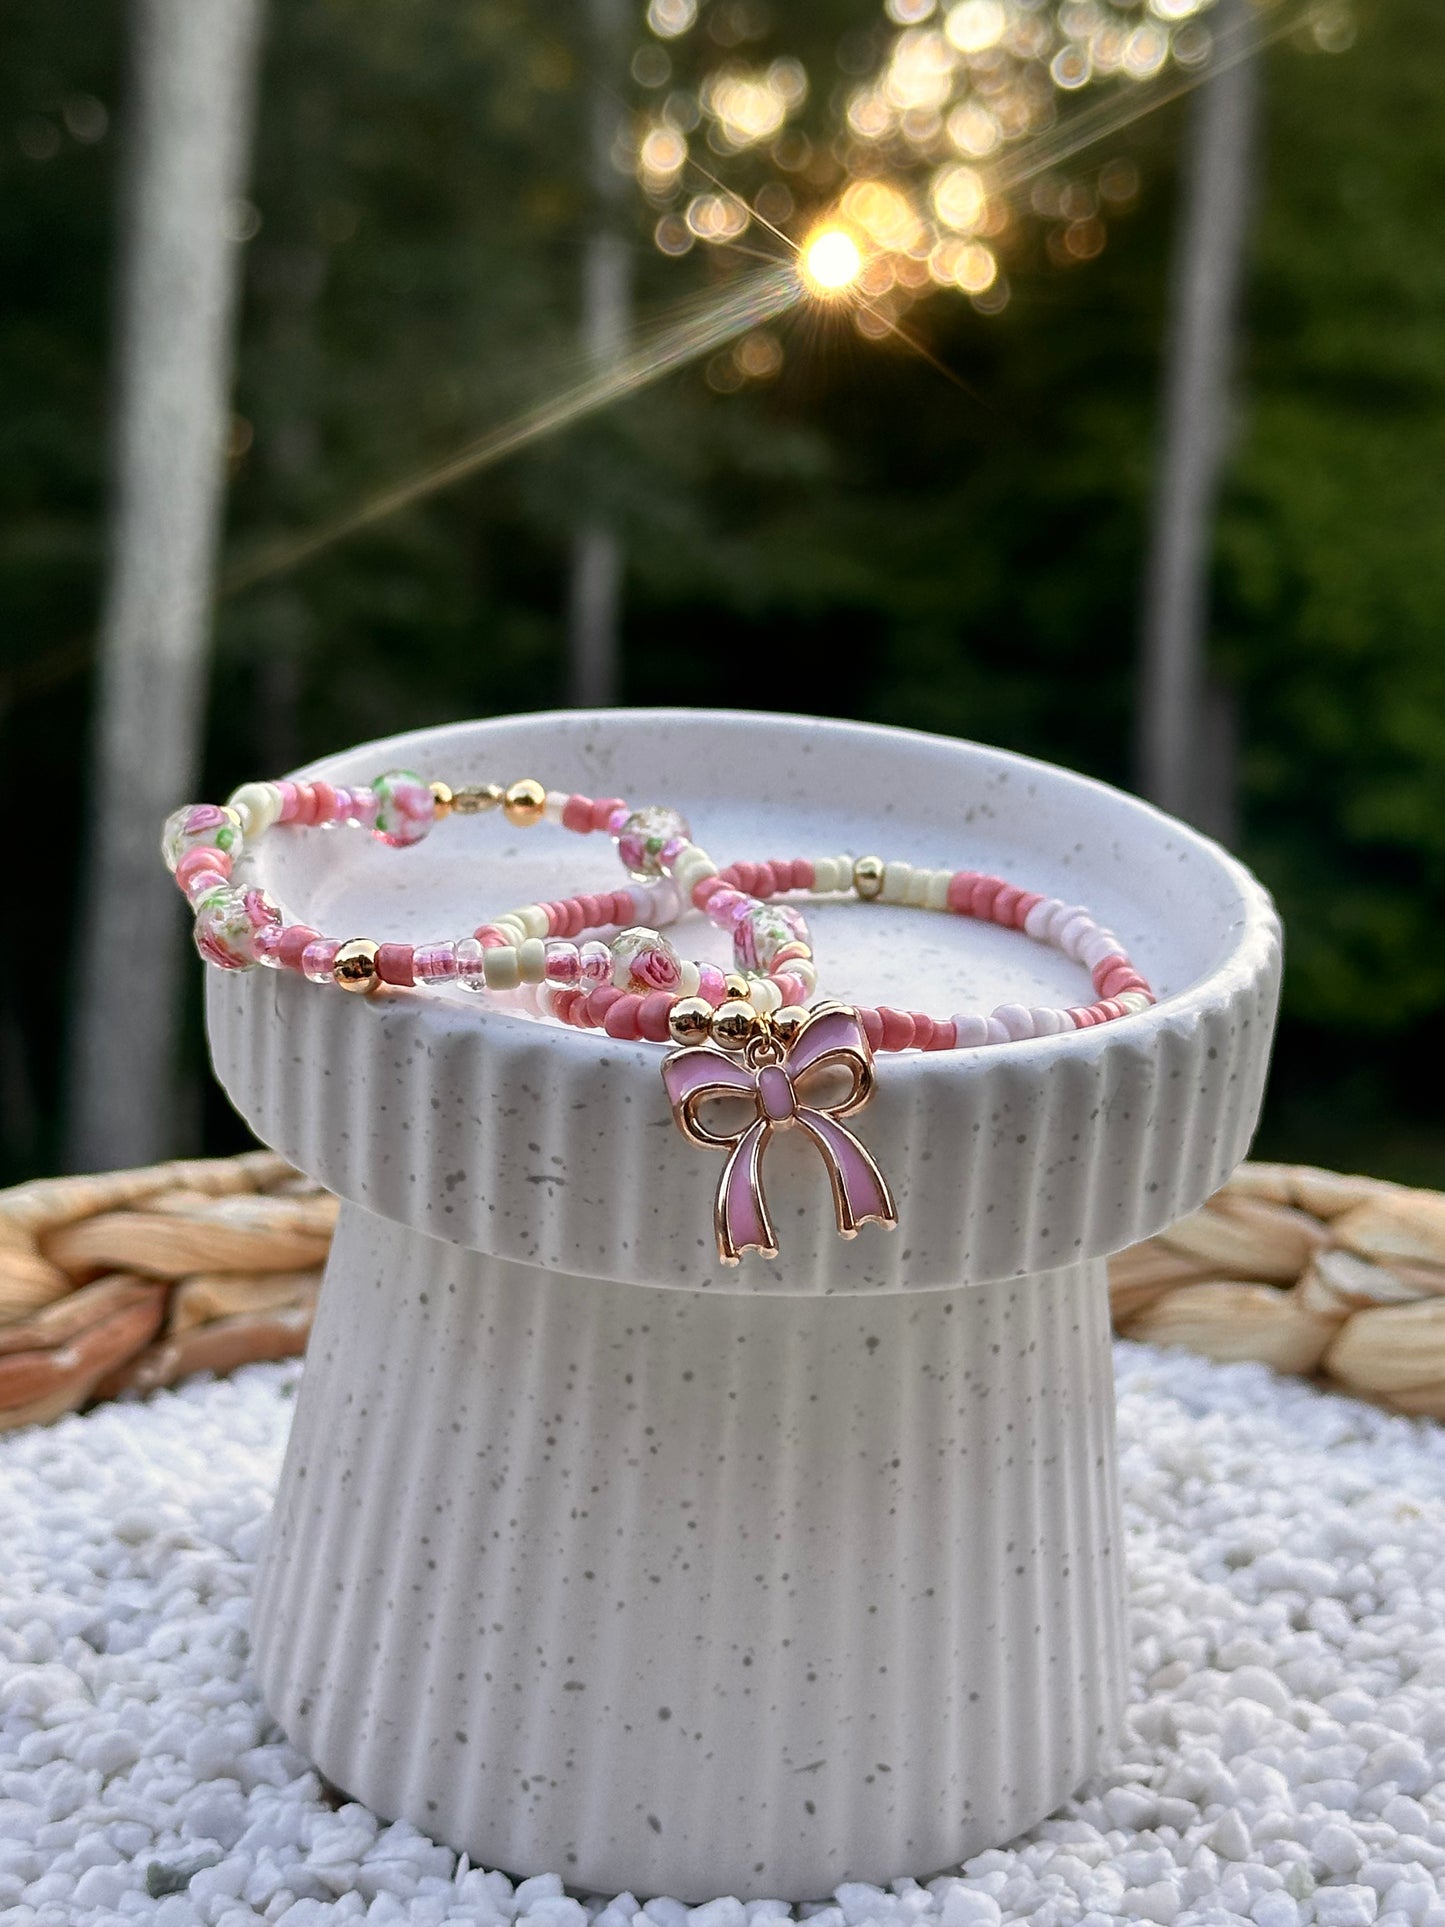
(593, 1556)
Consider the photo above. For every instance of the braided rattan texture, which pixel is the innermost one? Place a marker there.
(130, 1280)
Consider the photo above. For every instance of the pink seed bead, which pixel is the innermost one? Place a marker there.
(704, 891)
(595, 961)
(960, 892)
(577, 814)
(201, 860)
(620, 1019)
(324, 806)
(1024, 907)
(1005, 904)
(317, 959)
(983, 897)
(435, 963)
(564, 963)
(652, 1016)
(872, 1023)
(897, 1028)
(922, 1029)
(290, 797)
(490, 937)
(396, 963)
(943, 1034)
(293, 945)
(604, 811)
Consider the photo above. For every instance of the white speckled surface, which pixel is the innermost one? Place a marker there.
(850, 1517)
(556, 1147)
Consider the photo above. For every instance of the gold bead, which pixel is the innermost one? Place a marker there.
(736, 986)
(868, 877)
(787, 1022)
(355, 966)
(473, 798)
(442, 799)
(524, 803)
(690, 1020)
(734, 1024)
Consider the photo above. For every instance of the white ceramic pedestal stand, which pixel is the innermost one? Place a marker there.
(593, 1557)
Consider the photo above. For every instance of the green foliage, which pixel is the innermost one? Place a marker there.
(957, 551)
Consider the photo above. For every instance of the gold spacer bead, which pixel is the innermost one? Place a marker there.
(443, 800)
(787, 1022)
(355, 966)
(524, 803)
(868, 877)
(690, 1020)
(736, 987)
(735, 1024)
(473, 798)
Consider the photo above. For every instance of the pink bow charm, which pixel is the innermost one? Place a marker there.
(767, 1076)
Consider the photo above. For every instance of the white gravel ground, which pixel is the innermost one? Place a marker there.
(1285, 1760)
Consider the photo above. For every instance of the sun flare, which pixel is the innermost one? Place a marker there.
(831, 261)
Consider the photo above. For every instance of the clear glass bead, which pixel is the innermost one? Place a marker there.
(645, 835)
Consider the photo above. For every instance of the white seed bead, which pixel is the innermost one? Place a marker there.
(511, 926)
(258, 805)
(765, 996)
(823, 874)
(997, 1034)
(1036, 923)
(691, 979)
(1063, 917)
(533, 919)
(896, 878)
(553, 805)
(970, 1030)
(918, 889)
(1103, 944)
(502, 970)
(532, 961)
(936, 896)
(1134, 1001)
(1049, 1022)
(1075, 934)
(1017, 1021)
(805, 972)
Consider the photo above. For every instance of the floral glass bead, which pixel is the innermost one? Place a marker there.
(643, 960)
(761, 932)
(227, 921)
(646, 835)
(405, 808)
(200, 826)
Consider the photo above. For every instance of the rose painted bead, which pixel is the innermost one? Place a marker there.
(762, 932)
(227, 922)
(200, 826)
(643, 961)
(645, 835)
(405, 808)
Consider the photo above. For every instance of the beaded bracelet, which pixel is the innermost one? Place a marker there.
(771, 1058)
(238, 927)
(744, 1034)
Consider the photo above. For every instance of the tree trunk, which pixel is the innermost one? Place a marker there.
(192, 93)
(594, 610)
(1185, 728)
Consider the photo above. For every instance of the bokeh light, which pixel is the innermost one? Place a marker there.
(831, 261)
(937, 152)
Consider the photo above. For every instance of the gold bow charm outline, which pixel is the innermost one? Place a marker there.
(768, 1072)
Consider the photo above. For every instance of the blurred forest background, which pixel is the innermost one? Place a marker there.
(421, 199)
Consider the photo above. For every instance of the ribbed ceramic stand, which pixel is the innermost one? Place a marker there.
(591, 1556)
